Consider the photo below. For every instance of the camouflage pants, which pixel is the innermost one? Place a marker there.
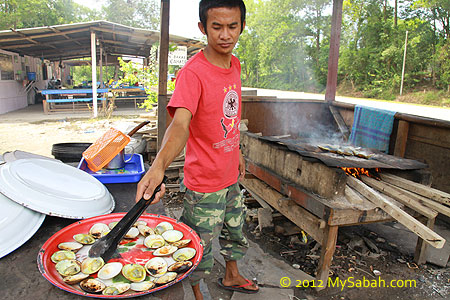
(219, 214)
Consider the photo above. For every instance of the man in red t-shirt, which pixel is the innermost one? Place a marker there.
(206, 111)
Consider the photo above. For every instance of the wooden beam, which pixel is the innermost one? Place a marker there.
(333, 58)
(18, 46)
(420, 254)
(397, 213)
(352, 196)
(402, 138)
(163, 68)
(417, 188)
(442, 209)
(326, 256)
(340, 122)
(400, 197)
(298, 215)
(64, 35)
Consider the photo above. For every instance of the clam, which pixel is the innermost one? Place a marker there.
(85, 239)
(154, 241)
(145, 230)
(68, 267)
(134, 272)
(156, 266)
(116, 289)
(92, 285)
(163, 226)
(142, 286)
(112, 224)
(62, 255)
(184, 254)
(168, 277)
(172, 236)
(92, 264)
(139, 222)
(71, 246)
(132, 233)
(97, 230)
(165, 250)
(72, 279)
(180, 266)
(110, 270)
(181, 243)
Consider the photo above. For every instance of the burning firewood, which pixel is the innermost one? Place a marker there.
(397, 213)
(417, 188)
(400, 197)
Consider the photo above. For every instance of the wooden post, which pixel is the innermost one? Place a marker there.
(402, 138)
(101, 66)
(333, 59)
(94, 73)
(45, 104)
(163, 66)
(420, 254)
(328, 247)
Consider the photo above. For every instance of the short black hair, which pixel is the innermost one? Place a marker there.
(205, 5)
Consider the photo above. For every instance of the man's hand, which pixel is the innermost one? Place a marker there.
(241, 166)
(148, 184)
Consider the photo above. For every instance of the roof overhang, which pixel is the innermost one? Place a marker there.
(69, 41)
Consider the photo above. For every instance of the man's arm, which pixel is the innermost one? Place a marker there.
(173, 142)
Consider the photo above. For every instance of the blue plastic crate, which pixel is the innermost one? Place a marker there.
(132, 172)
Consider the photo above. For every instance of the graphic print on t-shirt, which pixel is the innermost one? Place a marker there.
(230, 110)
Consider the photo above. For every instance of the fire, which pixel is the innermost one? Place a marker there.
(358, 172)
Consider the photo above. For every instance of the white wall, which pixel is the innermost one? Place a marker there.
(12, 92)
(12, 96)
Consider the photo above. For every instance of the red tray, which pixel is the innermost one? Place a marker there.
(134, 255)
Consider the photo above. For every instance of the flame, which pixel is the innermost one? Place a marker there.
(358, 172)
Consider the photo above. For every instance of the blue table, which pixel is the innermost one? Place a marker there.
(69, 96)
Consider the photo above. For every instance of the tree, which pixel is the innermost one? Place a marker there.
(18, 14)
(134, 13)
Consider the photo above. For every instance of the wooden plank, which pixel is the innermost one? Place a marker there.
(400, 197)
(340, 122)
(298, 215)
(402, 138)
(397, 213)
(418, 188)
(326, 256)
(442, 209)
(352, 196)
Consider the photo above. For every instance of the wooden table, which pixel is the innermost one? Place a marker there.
(319, 217)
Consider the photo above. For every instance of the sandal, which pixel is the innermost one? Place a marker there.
(238, 288)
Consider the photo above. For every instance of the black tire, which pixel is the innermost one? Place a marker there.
(69, 152)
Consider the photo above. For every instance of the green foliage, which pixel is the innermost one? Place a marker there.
(135, 13)
(143, 75)
(35, 13)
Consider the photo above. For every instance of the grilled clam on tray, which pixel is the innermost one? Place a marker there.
(163, 256)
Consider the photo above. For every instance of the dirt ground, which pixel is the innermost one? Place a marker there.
(352, 260)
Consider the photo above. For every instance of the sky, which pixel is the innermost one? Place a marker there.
(183, 16)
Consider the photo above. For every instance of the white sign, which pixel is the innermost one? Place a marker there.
(178, 57)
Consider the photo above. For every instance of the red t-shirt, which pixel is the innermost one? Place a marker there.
(213, 96)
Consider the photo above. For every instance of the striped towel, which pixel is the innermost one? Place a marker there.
(372, 127)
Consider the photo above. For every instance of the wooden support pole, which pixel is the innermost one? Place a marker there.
(333, 58)
(418, 188)
(163, 68)
(326, 256)
(402, 138)
(101, 67)
(420, 254)
(397, 213)
(94, 73)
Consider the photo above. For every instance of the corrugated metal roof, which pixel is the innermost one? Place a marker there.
(69, 41)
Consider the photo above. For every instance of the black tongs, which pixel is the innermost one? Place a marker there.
(106, 246)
